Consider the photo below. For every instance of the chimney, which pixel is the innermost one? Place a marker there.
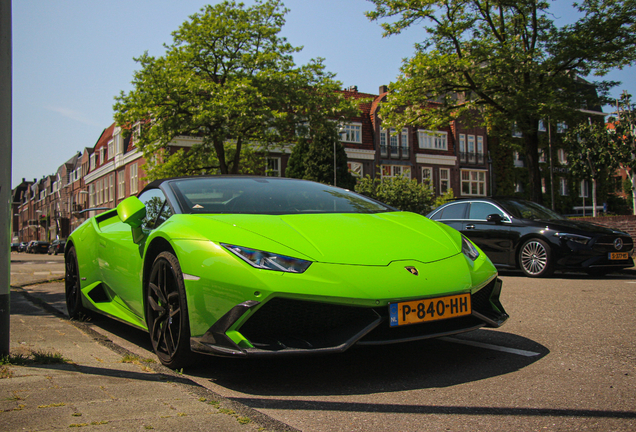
(384, 89)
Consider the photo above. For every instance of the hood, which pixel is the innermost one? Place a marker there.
(577, 227)
(356, 239)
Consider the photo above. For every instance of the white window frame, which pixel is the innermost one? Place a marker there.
(563, 156)
(352, 133)
(404, 137)
(480, 145)
(563, 186)
(111, 185)
(432, 140)
(102, 154)
(427, 174)
(444, 180)
(93, 161)
(476, 182)
(394, 145)
(384, 147)
(134, 187)
(91, 195)
(273, 171)
(121, 184)
(111, 149)
(390, 171)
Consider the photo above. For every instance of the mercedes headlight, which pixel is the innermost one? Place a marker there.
(573, 238)
(268, 261)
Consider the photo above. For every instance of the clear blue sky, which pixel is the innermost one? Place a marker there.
(72, 57)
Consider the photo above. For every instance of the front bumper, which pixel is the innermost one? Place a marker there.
(284, 326)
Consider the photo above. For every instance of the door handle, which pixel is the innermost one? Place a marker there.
(471, 226)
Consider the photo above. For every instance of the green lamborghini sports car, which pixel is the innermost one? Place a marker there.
(262, 266)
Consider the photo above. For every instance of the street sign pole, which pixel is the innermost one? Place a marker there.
(6, 213)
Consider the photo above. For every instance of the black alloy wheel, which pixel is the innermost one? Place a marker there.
(167, 312)
(535, 258)
(72, 286)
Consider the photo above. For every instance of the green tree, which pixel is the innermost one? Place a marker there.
(399, 192)
(508, 61)
(591, 155)
(624, 139)
(230, 79)
(313, 159)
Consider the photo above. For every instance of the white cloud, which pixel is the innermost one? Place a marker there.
(74, 115)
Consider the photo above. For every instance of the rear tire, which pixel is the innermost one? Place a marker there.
(167, 312)
(535, 258)
(73, 287)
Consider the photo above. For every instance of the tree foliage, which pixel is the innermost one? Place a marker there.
(591, 154)
(230, 79)
(624, 139)
(313, 159)
(507, 60)
(399, 192)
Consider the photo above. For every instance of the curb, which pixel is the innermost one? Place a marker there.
(191, 386)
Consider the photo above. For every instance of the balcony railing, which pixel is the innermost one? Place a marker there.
(471, 157)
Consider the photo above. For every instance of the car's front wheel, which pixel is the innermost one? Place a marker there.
(535, 258)
(167, 312)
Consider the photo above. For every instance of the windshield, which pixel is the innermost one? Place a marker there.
(265, 195)
(528, 209)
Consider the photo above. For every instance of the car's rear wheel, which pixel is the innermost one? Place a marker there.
(535, 258)
(72, 286)
(167, 312)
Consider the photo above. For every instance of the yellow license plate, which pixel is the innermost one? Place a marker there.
(618, 255)
(434, 309)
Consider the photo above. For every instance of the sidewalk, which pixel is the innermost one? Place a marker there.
(99, 385)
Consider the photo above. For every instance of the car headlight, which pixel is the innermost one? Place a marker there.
(573, 238)
(268, 261)
(469, 249)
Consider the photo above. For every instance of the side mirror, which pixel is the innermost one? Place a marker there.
(496, 218)
(132, 211)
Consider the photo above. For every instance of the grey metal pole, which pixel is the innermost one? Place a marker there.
(5, 174)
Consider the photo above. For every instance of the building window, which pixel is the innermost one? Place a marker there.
(480, 149)
(471, 149)
(393, 139)
(405, 143)
(396, 170)
(543, 186)
(473, 182)
(561, 127)
(273, 167)
(432, 140)
(542, 155)
(563, 186)
(119, 143)
(383, 147)
(102, 155)
(542, 127)
(355, 168)
(518, 187)
(121, 185)
(352, 133)
(463, 157)
(563, 157)
(111, 185)
(444, 180)
(111, 149)
(133, 179)
(93, 161)
(91, 195)
(516, 132)
(427, 175)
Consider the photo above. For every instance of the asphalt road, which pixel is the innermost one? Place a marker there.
(565, 360)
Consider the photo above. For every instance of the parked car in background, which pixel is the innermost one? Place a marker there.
(38, 247)
(516, 233)
(15, 247)
(22, 247)
(57, 246)
(29, 246)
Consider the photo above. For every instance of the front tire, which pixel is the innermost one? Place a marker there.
(535, 258)
(167, 312)
(73, 287)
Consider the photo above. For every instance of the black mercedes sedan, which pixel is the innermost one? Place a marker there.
(516, 233)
